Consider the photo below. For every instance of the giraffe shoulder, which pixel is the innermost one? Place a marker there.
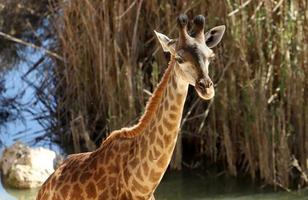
(124, 133)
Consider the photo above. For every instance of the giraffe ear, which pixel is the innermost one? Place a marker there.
(167, 43)
(213, 36)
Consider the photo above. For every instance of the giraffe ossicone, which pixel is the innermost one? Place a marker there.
(131, 162)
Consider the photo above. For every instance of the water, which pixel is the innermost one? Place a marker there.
(7, 193)
(193, 186)
(198, 186)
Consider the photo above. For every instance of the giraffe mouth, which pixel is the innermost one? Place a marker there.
(205, 93)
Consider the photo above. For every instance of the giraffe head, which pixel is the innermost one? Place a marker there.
(193, 53)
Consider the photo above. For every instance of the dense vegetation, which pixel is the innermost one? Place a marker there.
(257, 122)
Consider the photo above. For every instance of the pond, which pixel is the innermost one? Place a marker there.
(193, 185)
(200, 186)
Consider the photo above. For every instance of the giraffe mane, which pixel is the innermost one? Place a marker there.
(149, 113)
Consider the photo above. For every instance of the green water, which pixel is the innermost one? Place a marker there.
(197, 186)
(193, 186)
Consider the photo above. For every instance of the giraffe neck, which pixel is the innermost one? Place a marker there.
(155, 144)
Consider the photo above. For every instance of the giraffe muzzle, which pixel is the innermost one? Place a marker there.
(205, 88)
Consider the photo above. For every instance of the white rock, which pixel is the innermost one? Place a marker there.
(25, 167)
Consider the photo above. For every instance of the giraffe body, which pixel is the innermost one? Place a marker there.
(131, 162)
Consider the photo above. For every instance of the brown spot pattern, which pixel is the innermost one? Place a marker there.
(166, 104)
(76, 192)
(172, 116)
(139, 175)
(156, 152)
(153, 135)
(174, 84)
(134, 162)
(151, 156)
(160, 142)
(84, 177)
(143, 151)
(113, 168)
(179, 99)
(124, 147)
(160, 130)
(104, 195)
(160, 112)
(64, 191)
(162, 161)
(174, 108)
(154, 176)
(170, 126)
(102, 183)
(145, 168)
(167, 139)
(91, 190)
(141, 188)
(171, 95)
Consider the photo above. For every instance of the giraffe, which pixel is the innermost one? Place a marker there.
(131, 162)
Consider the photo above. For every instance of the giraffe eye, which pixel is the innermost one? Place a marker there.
(179, 60)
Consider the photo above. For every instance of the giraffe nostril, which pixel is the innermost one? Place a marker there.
(210, 83)
(202, 84)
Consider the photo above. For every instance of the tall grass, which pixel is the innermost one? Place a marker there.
(258, 122)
